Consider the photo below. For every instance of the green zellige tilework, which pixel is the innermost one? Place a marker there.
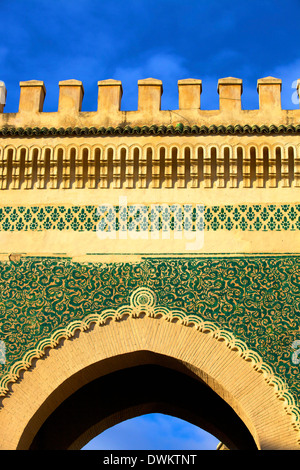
(253, 217)
(255, 298)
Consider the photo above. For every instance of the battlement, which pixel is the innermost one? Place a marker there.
(150, 147)
(149, 112)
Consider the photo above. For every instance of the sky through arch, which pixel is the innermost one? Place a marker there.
(154, 431)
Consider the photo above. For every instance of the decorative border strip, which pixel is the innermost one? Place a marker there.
(89, 218)
(178, 129)
(143, 302)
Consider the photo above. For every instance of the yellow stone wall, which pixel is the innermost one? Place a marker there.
(245, 175)
(211, 169)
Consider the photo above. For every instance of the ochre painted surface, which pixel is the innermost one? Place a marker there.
(115, 225)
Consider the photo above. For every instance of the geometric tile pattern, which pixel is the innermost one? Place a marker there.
(244, 217)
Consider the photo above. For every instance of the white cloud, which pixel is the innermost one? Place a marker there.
(154, 432)
(166, 67)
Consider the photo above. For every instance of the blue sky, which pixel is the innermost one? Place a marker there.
(91, 40)
(160, 432)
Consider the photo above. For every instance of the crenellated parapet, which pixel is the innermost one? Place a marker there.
(149, 148)
(149, 112)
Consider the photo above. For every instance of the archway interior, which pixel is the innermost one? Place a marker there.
(154, 431)
(136, 391)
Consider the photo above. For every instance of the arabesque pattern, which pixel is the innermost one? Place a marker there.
(256, 300)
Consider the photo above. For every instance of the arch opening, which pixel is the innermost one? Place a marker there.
(216, 362)
(157, 385)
